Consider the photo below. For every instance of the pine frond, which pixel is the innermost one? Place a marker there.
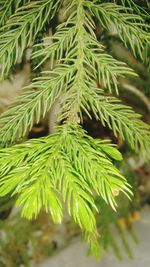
(68, 163)
(57, 47)
(121, 119)
(69, 166)
(130, 27)
(107, 69)
(7, 9)
(21, 29)
(86, 62)
(138, 7)
(63, 47)
(32, 104)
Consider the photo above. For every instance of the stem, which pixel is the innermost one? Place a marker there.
(80, 74)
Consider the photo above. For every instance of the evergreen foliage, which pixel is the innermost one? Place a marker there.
(69, 166)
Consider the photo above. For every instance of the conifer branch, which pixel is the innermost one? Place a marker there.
(32, 105)
(6, 9)
(135, 7)
(21, 29)
(69, 163)
(130, 27)
(69, 166)
(121, 119)
(63, 47)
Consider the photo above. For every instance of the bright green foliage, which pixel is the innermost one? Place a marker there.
(69, 162)
(69, 166)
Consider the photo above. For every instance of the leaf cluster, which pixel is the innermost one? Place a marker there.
(21, 29)
(69, 166)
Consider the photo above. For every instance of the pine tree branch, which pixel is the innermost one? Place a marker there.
(32, 104)
(138, 7)
(21, 29)
(6, 9)
(69, 166)
(100, 66)
(83, 57)
(64, 47)
(108, 70)
(57, 47)
(121, 119)
(67, 163)
(130, 27)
